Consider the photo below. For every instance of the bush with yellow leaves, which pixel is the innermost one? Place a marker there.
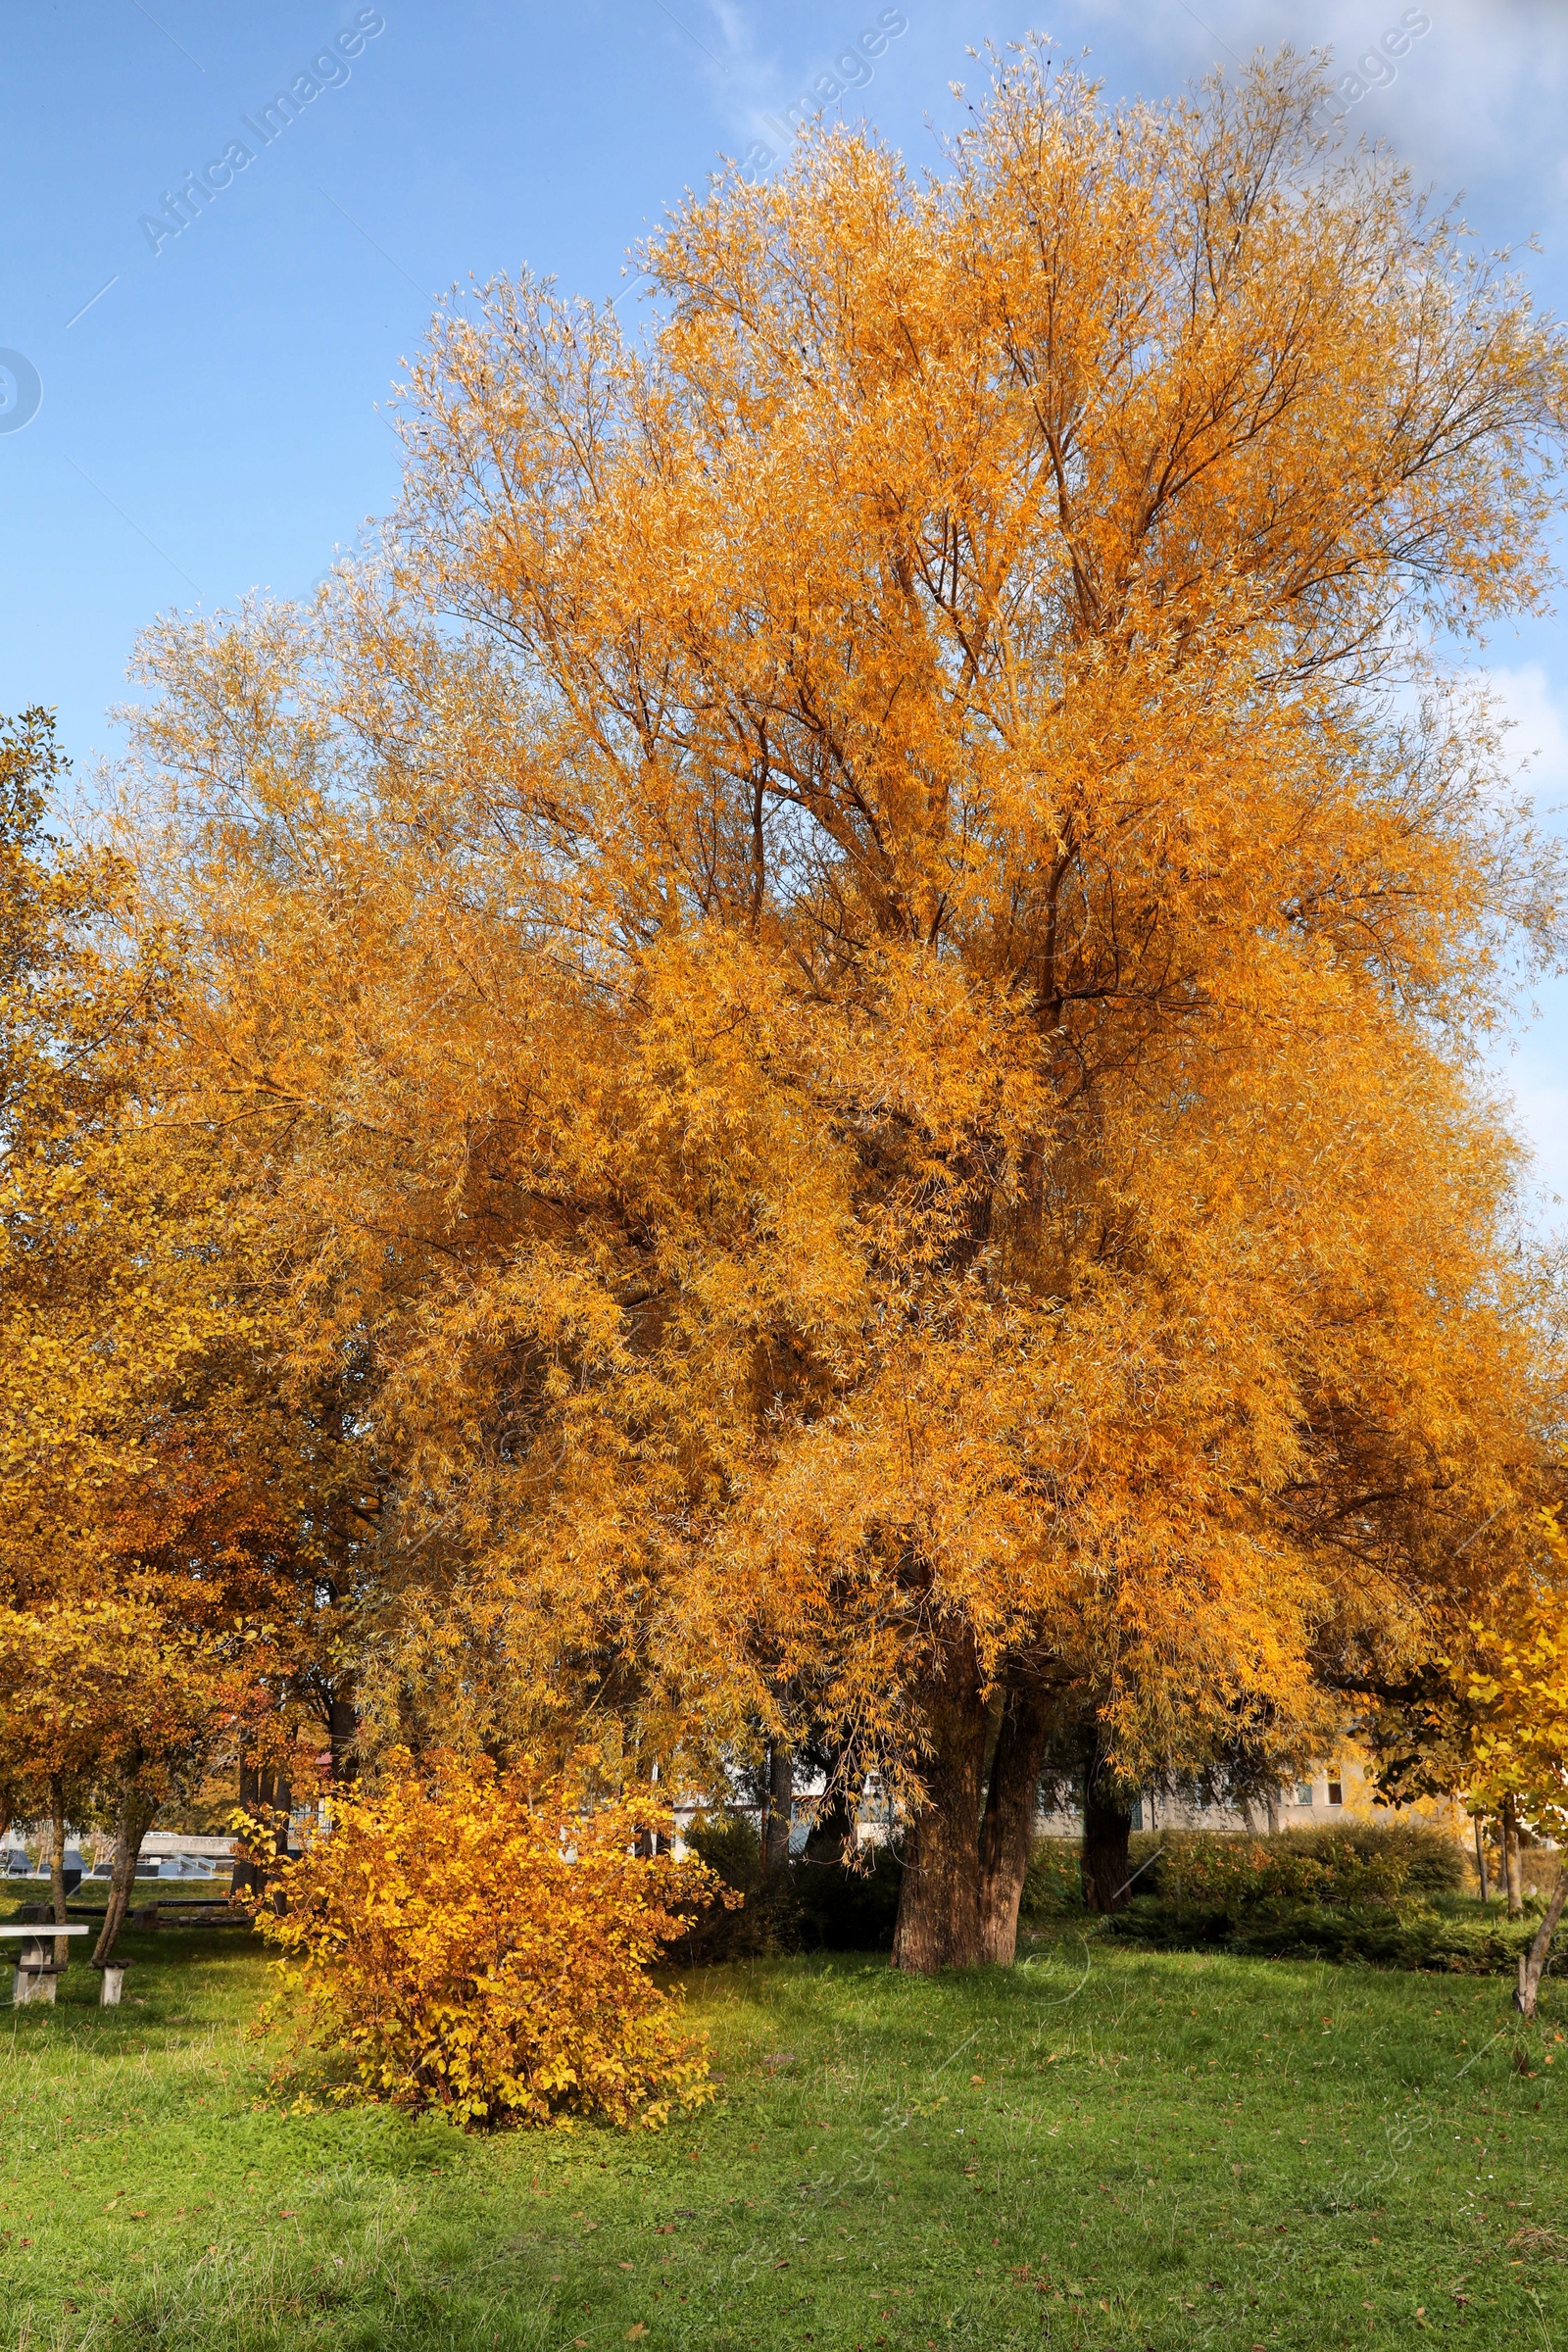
(479, 1942)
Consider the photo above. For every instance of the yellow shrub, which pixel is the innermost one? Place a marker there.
(478, 1942)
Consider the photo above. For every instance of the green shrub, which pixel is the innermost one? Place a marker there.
(848, 1910)
(1433, 1862)
(807, 1907)
(1229, 1875)
(1480, 1943)
(1385, 1893)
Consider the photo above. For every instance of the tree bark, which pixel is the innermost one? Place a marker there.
(1108, 1826)
(939, 1901)
(780, 1804)
(1480, 1863)
(136, 1818)
(57, 1864)
(1006, 1830)
(343, 1735)
(262, 1788)
(1512, 1867)
(283, 1801)
(250, 1878)
(1531, 1965)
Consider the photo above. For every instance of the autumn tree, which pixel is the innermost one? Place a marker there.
(850, 967)
(166, 1517)
(1485, 1718)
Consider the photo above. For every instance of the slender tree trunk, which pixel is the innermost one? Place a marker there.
(57, 1864)
(136, 1818)
(780, 1805)
(1108, 1826)
(1480, 1863)
(263, 1789)
(343, 1734)
(249, 1877)
(834, 1836)
(283, 1800)
(1006, 1830)
(1531, 1965)
(939, 1901)
(1512, 1868)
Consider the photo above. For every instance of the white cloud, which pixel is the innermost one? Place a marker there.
(1473, 102)
(1536, 716)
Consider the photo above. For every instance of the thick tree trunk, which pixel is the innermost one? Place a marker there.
(939, 1901)
(1513, 1871)
(136, 1816)
(1108, 1826)
(1006, 1831)
(57, 1865)
(780, 1805)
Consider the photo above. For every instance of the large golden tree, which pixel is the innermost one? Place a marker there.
(851, 970)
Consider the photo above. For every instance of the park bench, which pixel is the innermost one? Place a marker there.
(36, 1972)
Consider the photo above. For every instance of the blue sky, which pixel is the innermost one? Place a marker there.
(208, 419)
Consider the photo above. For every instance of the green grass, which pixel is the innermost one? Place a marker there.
(1108, 2147)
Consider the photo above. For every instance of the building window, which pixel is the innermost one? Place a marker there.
(1303, 1793)
(1336, 1793)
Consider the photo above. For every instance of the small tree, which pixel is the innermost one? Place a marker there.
(1517, 1687)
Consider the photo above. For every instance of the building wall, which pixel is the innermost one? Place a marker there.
(1338, 1791)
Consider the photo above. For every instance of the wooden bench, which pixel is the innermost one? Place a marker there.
(35, 1969)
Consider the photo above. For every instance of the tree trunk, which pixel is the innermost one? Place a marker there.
(1480, 1863)
(1006, 1831)
(1531, 1966)
(1512, 1868)
(780, 1805)
(833, 1836)
(249, 1877)
(1108, 1826)
(263, 1789)
(939, 1901)
(343, 1735)
(57, 1864)
(283, 1801)
(136, 1816)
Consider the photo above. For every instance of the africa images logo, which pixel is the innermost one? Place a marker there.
(21, 391)
(328, 69)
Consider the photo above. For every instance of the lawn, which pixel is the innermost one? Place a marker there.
(1109, 2146)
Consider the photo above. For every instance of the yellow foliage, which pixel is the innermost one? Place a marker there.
(1517, 1693)
(479, 1942)
(875, 1058)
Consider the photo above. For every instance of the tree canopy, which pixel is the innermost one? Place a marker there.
(842, 981)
